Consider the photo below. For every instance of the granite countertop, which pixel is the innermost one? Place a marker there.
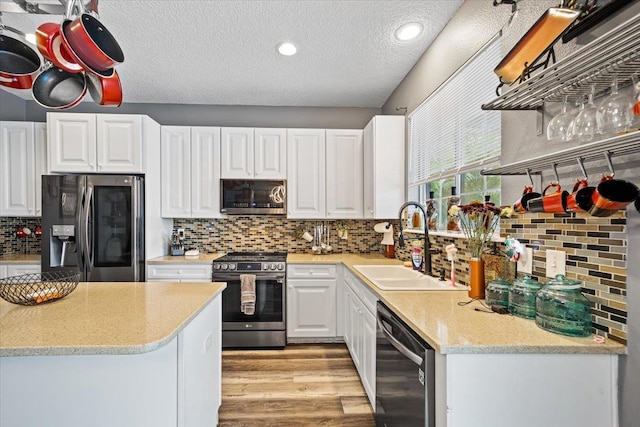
(20, 259)
(450, 328)
(104, 318)
(200, 259)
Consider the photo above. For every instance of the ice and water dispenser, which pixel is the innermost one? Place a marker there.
(62, 246)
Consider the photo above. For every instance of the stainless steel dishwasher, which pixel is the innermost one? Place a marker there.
(405, 370)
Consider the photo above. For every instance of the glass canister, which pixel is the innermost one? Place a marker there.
(561, 308)
(522, 297)
(497, 292)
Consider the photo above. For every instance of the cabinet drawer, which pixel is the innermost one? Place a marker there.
(179, 272)
(311, 271)
(368, 298)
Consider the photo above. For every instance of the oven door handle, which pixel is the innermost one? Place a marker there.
(235, 278)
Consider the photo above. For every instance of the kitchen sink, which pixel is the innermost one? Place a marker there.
(400, 278)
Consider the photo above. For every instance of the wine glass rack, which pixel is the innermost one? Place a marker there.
(615, 52)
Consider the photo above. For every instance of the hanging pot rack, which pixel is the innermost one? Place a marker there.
(616, 52)
(51, 7)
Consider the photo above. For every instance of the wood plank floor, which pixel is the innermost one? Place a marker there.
(302, 385)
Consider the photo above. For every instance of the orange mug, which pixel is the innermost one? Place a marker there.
(521, 204)
(577, 194)
(611, 195)
(555, 202)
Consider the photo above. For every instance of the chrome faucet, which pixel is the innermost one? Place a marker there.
(427, 245)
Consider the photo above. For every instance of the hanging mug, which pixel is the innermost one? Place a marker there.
(521, 205)
(580, 196)
(612, 195)
(555, 202)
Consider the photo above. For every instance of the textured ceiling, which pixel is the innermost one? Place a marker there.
(224, 52)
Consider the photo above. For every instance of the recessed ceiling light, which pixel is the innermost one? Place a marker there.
(31, 38)
(408, 31)
(287, 49)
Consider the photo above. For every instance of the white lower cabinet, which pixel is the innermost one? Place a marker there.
(360, 330)
(179, 272)
(311, 301)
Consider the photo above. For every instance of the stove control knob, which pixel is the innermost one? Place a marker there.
(280, 266)
(232, 266)
(216, 266)
(272, 266)
(225, 266)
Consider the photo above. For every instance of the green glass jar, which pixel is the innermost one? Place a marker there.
(497, 292)
(522, 297)
(561, 308)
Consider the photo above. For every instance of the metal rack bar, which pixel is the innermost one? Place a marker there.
(616, 52)
(618, 146)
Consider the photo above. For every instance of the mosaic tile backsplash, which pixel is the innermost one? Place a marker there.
(10, 244)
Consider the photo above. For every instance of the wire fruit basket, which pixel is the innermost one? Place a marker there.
(38, 288)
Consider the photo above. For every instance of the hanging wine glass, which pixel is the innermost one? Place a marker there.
(614, 112)
(586, 125)
(559, 124)
(571, 129)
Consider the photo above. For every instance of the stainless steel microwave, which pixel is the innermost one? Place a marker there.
(253, 197)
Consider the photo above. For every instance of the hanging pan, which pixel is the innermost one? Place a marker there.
(49, 42)
(59, 89)
(19, 63)
(75, 58)
(90, 40)
(106, 91)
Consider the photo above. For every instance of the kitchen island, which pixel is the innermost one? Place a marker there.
(113, 353)
(496, 370)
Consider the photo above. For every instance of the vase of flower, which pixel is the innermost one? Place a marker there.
(476, 278)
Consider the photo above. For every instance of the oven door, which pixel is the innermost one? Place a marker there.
(269, 312)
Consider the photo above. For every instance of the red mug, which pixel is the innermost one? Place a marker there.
(521, 204)
(612, 195)
(555, 202)
(577, 196)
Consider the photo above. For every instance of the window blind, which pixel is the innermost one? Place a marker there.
(449, 133)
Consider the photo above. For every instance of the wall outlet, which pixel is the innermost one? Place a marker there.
(525, 264)
(556, 262)
(180, 233)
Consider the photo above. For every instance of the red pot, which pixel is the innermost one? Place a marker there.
(93, 43)
(19, 63)
(105, 91)
(50, 45)
(65, 41)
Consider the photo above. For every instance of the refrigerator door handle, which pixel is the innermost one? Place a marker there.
(88, 255)
(78, 227)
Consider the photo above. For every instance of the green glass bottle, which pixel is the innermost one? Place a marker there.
(561, 308)
(522, 297)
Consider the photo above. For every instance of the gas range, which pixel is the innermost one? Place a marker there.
(251, 262)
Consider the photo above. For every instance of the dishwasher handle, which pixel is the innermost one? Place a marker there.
(382, 318)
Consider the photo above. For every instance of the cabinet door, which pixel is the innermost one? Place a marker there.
(306, 173)
(311, 308)
(205, 172)
(17, 163)
(72, 142)
(236, 153)
(384, 165)
(270, 154)
(119, 143)
(40, 130)
(355, 323)
(348, 317)
(368, 371)
(175, 152)
(344, 174)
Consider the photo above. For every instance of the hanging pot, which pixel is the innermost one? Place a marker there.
(91, 41)
(50, 45)
(19, 63)
(65, 41)
(105, 91)
(59, 89)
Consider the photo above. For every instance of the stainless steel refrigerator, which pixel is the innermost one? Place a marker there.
(94, 224)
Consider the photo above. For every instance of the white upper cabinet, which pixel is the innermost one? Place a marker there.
(248, 153)
(95, 143)
(270, 155)
(384, 166)
(344, 173)
(190, 172)
(306, 171)
(236, 153)
(22, 160)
